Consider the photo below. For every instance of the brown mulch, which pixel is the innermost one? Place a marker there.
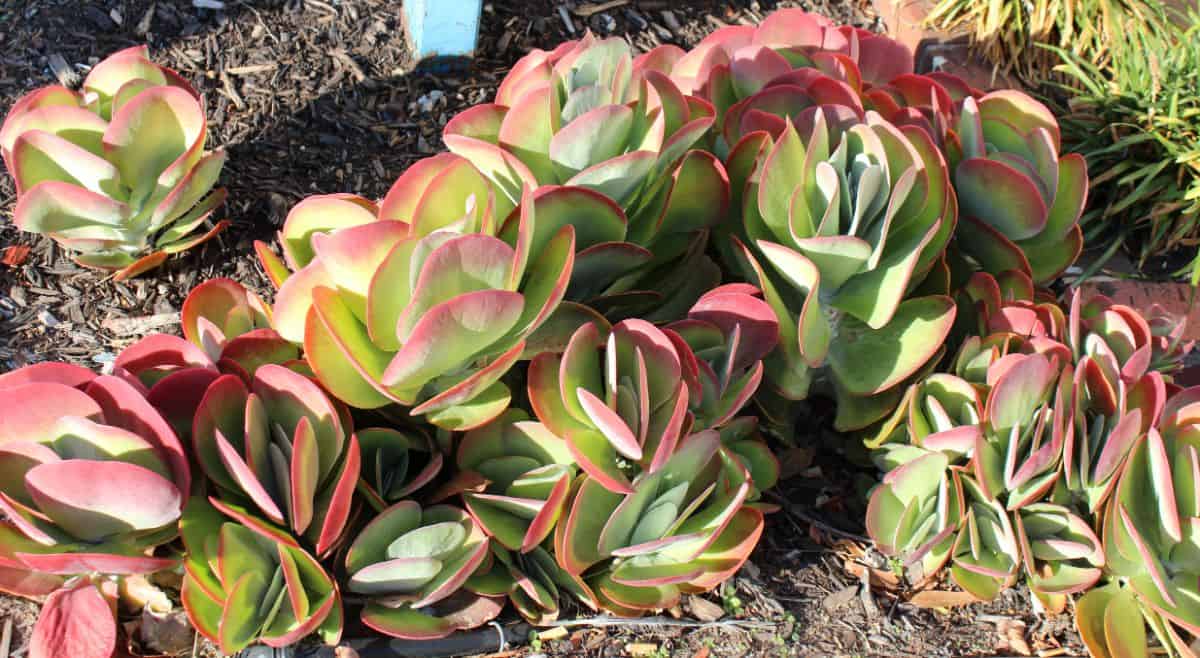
(320, 96)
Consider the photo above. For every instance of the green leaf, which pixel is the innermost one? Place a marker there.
(434, 541)
(867, 361)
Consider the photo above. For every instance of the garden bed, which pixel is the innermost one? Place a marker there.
(317, 97)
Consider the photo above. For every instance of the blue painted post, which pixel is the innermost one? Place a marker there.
(443, 28)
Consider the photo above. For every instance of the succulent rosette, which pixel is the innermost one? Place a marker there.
(242, 587)
(985, 557)
(218, 312)
(799, 37)
(526, 472)
(1026, 422)
(756, 76)
(92, 481)
(842, 224)
(1119, 395)
(1070, 400)
(684, 527)
(941, 412)
(396, 464)
(435, 192)
(587, 116)
(117, 174)
(413, 563)
(1112, 623)
(226, 330)
(93, 477)
(1019, 457)
(1150, 523)
(531, 580)
(1122, 345)
(976, 474)
(1008, 303)
(725, 337)
(1056, 550)
(1020, 200)
(619, 401)
(931, 101)
(281, 450)
(416, 302)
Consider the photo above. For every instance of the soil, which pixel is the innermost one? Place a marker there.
(333, 103)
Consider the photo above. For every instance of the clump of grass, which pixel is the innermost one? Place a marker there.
(1010, 33)
(1137, 121)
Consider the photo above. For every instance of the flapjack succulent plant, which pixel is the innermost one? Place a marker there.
(1112, 623)
(279, 449)
(684, 527)
(94, 477)
(428, 314)
(526, 473)
(92, 481)
(413, 562)
(226, 330)
(589, 115)
(531, 580)
(242, 587)
(1020, 200)
(756, 76)
(1150, 522)
(843, 221)
(619, 401)
(117, 174)
(1013, 467)
(725, 337)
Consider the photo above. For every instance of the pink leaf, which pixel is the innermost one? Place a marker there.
(76, 622)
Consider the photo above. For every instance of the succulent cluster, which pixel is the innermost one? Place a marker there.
(1050, 452)
(533, 372)
(116, 173)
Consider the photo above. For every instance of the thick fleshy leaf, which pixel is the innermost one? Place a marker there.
(618, 178)
(159, 128)
(456, 192)
(1001, 196)
(506, 171)
(469, 322)
(528, 129)
(458, 612)
(577, 538)
(143, 501)
(400, 203)
(340, 352)
(1019, 392)
(241, 620)
(189, 192)
(868, 361)
(324, 213)
(41, 156)
(1020, 110)
(49, 372)
(64, 209)
(460, 265)
(76, 622)
(353, 255)
(395, 576)
(71, 564)
(29, 411)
